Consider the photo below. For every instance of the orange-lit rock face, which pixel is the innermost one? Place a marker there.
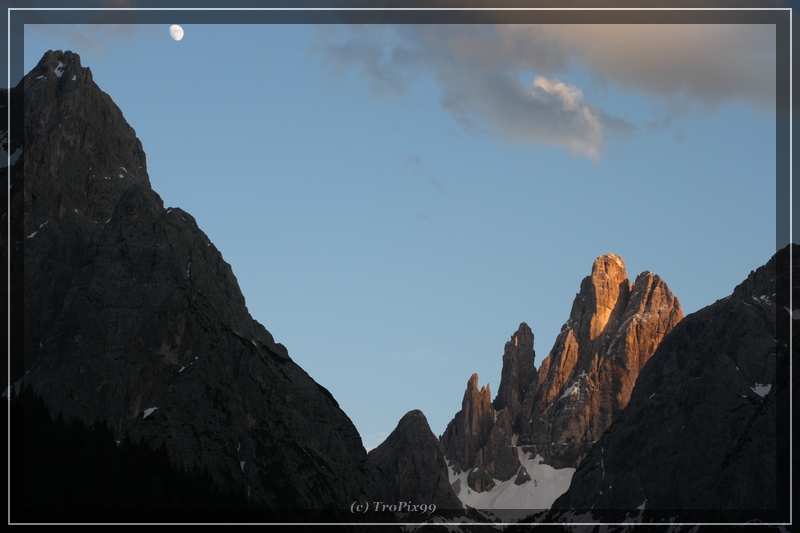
(614, 327)
(611, 288)
(586, 380)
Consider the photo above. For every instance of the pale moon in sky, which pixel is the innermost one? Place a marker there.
(176, 32)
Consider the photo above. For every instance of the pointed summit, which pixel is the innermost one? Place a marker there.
(467, 433)
(129, 308)
(412, 461)
(586, 380)
(605, 293)
(518, 373)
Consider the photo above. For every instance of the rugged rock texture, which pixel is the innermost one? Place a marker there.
(481, 434)
(132, 316)
(700, 429)
(11, 149)
(412, 461)
(579, 390)
(519, 372)
(469, 430)
(586, 380)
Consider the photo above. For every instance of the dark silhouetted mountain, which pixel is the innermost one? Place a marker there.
(414, 465)
(131, 316)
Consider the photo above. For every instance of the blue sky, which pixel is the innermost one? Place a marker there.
(394, 201)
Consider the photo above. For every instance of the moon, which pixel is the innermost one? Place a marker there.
(176, 32)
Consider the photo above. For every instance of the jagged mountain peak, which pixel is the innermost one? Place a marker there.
(133, 317)
(611, 264)
(523, 335)
(412, 461)
(53, 60)
(519, 372)
(586, 379)
(473, 387)
(60, 70)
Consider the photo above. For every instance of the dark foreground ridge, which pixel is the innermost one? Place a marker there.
(132, 317)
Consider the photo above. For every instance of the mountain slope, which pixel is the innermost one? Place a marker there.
(701, 430)
(133, 317)
(413, 463)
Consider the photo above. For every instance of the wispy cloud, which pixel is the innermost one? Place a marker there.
(416, 166)
(709, 63)
(477, 68)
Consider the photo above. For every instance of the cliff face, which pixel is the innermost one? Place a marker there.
(700, 430)
(132, 316)
(518, 373)
(586, 380)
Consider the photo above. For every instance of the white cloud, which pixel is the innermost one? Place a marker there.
(477, 68)
(712, 63)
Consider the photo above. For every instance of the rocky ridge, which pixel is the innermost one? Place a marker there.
(702, 429)
(581, 387)
(586, 380)
(132, 316)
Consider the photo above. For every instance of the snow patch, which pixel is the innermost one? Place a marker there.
(59, 70)
(5, 161)
(13, 389)
(546, 484)
(32, 235)
(148, 412)
(73, 77)
(602, 465)
(182, 369)
(571, 390)
(761, 390)
(795, 314)
(241, 464)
